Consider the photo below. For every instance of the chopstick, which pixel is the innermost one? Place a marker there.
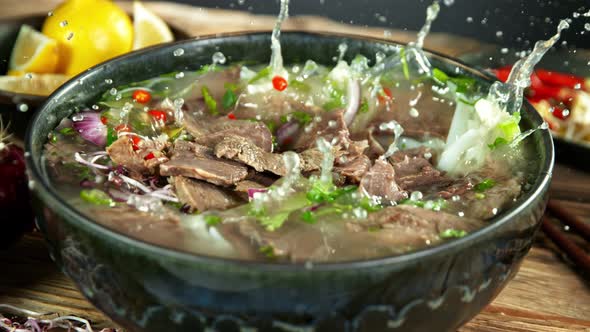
(575, 253)
(569, 219)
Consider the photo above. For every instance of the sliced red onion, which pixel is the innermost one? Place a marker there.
(90, 127)
(354, 100)
(253, 191)
(286, 132)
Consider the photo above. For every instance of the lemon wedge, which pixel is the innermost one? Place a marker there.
(33, 52)
(32, 84)
(149, 29)
(88, 32)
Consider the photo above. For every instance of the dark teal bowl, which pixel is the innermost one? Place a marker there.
(144, 287)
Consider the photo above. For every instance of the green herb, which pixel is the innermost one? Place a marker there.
(309, 217)
(212, 220)
(209, 101)
(299, 86)
(273, 222)
(405, 67)
(68, 131)
(480, 195)
(229, 99)
(327, 192)
(261, 74)
(301, 117)
(368, 205)
(452, 233)
(484, 185)
(96, 197)
(364, 108)
(111, 136)
(464, 84)
(174, 133)
(500, 141)
(271, 126)
(53, 137)
(440, 76)
(267, 251)
(336, 98)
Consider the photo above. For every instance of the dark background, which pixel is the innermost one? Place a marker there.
(522, 22)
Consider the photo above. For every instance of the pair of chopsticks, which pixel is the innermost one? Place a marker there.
(574, 252)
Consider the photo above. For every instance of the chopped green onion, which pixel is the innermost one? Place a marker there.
(440, 76)
(299, 86)
(484, 185)
(68, 131)
(368, 205)
(405, 66)
(261, 74)
(267, 251)
(212, 220)
(452, 233)
(209, 101)
(309, 217)
(96, 197)
(111, 136)
(229, 99)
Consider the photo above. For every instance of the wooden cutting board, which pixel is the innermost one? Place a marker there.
(546, 295)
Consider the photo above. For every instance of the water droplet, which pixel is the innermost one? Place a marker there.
(332, 124)
(241, 2)
(414, 112)
(31, 184)
(427, 155)
(108, 81)
(578, 86)
(416, 195)
(576, 15)
(456, 198)
(179, 75)
(587, 26)
(78, 117)
(499, 33)
(63, 23)
(484, 21)
(387, 33)
(566, 228)
(28, 76)
(545, 125)
(23, 107)
(113, 91)
(218, 58)
(495, 211)
(49, 14)
(95, 107)
(504, 50)
(461, 214)
(469, 19)
(449, 3)
(308, 265)
(178, 102)
(70, 36)
(178, 52)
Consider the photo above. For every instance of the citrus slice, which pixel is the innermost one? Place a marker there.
(33, 52)
(88, 32)
(149, 29)
(32, 84)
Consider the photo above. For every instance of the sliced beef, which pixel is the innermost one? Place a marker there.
(209, 131)
(244, 186)
(379, 181)
(141, 159)
(353, 168)
(238, 149)
(266, 179)
(409, 227)
(375, 149)
(194, 161)
(331, 126)
(202, 196)
(415, 173)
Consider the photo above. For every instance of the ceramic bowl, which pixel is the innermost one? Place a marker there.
(144, 287)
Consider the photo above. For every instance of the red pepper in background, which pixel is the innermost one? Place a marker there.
(279, 83)
(561, 79)
(559, 112)
(231, 116)
(142, 96)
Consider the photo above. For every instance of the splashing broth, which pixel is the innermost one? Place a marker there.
(299, 162)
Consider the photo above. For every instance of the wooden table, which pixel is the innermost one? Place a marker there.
(546, 295)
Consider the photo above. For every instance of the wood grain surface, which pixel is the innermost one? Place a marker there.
(548, 294)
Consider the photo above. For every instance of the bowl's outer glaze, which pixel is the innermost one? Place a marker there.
(147, 288)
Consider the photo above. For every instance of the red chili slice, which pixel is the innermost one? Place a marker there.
(279, 83)
(231, 116)
(385, 96)
(158, 115)
(142, 96)
(560, 79)
(559, 112)
(104, 120)
(149, 156)
(136, 140)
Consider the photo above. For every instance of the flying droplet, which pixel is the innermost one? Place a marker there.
(70, 36)
(63, 23)
(108, 81)
(179, 75)
(587, 26)
(449, 3)
(23, 107)
(178, 52)
(218, 58)
(469, 19)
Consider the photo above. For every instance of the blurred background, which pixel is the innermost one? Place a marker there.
(514, 23)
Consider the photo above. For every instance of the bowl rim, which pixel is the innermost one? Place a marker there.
(8, 97)
(42, 184)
